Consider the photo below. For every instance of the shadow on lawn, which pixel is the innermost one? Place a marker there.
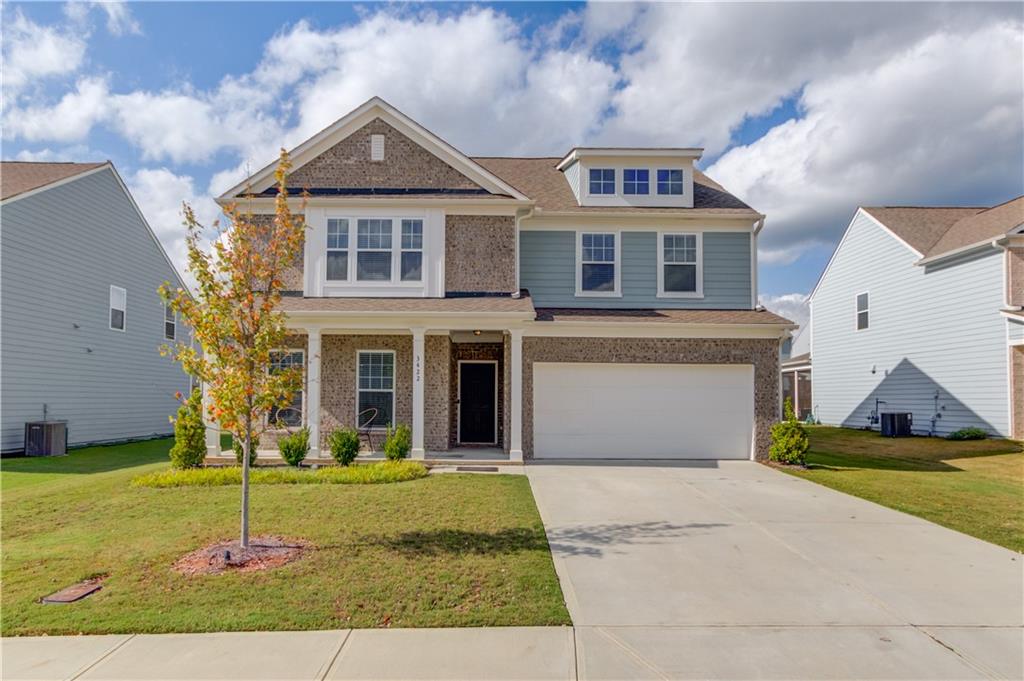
(585, 540)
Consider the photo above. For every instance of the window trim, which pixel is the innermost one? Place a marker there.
(389, 250)
(304, 423)
(682, 182)
(402, 250)
(394, 386)
(662, 293)
(124, 310)
(616, 292)
(353, 251)
(347, 250)
(646, 193)
(173, 320)
(857, 311)
(615, 181)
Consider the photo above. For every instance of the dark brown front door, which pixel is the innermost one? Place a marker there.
(477, 408)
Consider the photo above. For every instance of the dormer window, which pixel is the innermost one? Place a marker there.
(636, 181)
(602, 180)
(670, 181)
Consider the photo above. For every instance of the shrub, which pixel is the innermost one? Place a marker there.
(398, 442)
(236, 444)
(294, 447)
(189, 448)
(344, 444)
(789, 440)
(369, 474)
(968, 434)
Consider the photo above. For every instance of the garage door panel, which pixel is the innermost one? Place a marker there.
(584, 410)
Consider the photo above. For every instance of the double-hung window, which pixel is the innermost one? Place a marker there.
(670, 181)
(170, 327)
(602, 181)
(118, 306)
(337, 249)
(412, 250)
(598, 273)
(636, 181)
(862, 311)
(376, 387)
(373, 250)
(680, 273)
(291, 415)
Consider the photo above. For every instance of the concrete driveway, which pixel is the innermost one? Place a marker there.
(734, 570)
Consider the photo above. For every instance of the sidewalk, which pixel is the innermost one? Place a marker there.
(485, 653)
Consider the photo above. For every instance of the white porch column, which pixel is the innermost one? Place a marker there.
(212, 428)
(516, 397)
(313, 391)
(418, 351)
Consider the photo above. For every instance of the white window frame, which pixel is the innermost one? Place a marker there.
(123, 309)
(172, 319)
(394, 385)
(616, 175)
(353, 252)
(682, 182)
(389, 250)
(402, 249)
(291, 351)
(347, 250)
(623, 185)
(857, 311)
(616, 292)
(662, 293)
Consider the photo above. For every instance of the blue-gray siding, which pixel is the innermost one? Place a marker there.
(934, 331)
(62, 249)
(572, 176)
(548, 269)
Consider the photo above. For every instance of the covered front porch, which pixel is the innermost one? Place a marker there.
(454, 379)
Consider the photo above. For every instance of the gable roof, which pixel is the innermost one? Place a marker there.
(541, 180)
(19, 177)
(984, 225)
(353, 121)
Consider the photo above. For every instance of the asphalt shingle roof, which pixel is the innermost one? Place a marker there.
(18, 177)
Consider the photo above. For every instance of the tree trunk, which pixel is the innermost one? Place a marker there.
(245, 478)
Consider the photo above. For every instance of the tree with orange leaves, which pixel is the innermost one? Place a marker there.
(235, 318)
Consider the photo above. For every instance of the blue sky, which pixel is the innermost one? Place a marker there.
(805, 110)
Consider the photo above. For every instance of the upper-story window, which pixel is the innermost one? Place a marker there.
(412, 250)
(636, 181)
(337, 249)
(170, 327)
(598, 270)
(679, 269)
(118, 306)
(602, 180)
(862, 311)
(373, 250)
(670, 181)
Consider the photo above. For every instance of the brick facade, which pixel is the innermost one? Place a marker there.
(406, 165)
(436, 383)
(477, 351)
(763, 354)
(480, 253)
(1017, 391)
(291, 279)
(1015, 275)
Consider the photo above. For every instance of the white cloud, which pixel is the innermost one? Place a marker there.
(792, 306)
(119, 18)
(69, 120)
(32, 52)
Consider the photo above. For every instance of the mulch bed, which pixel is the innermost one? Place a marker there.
(264, 553)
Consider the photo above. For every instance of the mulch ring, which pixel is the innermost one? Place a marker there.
(264, 553)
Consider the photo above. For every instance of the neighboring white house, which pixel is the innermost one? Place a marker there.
(919, 310)
(82, 321)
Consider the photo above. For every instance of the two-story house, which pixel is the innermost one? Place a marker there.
(81, 319)
(919, 310)
(600, 305)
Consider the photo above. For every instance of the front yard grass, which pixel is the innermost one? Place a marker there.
(975, 487)
(446, 550)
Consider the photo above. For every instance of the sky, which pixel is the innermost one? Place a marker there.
(804, 110)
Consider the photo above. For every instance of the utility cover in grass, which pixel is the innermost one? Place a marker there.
(263, 553)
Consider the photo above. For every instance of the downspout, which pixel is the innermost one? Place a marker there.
(758, 226)
(520, 216)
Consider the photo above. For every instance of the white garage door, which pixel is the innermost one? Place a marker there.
(653, 411)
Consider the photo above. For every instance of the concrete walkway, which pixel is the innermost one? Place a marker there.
(704, 571)
(732, 570)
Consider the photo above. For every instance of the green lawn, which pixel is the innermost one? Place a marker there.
(446, 550)
(975, 487)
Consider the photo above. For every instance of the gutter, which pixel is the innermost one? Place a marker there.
(999, 242)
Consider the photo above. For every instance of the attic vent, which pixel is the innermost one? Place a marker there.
(376, 147)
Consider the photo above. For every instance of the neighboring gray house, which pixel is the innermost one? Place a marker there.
(919, 310)
(82, 321)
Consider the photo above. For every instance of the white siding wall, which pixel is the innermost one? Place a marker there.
(930, 330)
(62, 250)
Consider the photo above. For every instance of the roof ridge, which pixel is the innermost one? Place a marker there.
(1000, 205)
(982, 208)
(53, 163)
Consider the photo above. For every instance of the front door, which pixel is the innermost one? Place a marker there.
(478, 382)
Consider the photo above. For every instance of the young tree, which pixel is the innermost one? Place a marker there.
(235, 318)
